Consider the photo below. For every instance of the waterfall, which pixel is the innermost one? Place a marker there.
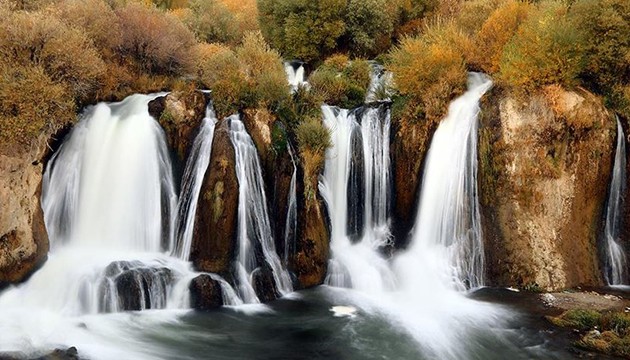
(448, 218)
(110, 210)
(359, 218)
(254, 227)
(110, 185)
(196, 167)
(295, 74)
(615, 263)
(290, 227)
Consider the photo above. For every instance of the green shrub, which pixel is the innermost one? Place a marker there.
(618, 322)
(306, 30)
(369, 26)
(340, 82)
(606, 24)
(250, 76)
(548, 48)
(580, 319)
(313, 136)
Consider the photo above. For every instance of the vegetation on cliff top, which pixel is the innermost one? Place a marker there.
(69, 53)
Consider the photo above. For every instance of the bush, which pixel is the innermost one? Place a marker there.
(369, 26)
(211, 21)
(340, 82)
(250, 76)
(606, 23)
(430, 70)
(96, 20)
(158, 41)
(578, 319)
(313, 136)
(547, 49)
(39, 39)
(496, 31)
(306, 30)
(264, 69)
(30, 103)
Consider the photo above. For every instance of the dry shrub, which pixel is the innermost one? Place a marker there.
(96, 20)
(498, 29)
(430, 70)
(158, 41)
(66, 54)
(264, 69)
(474, 13)
(30, 103)
(547, 49)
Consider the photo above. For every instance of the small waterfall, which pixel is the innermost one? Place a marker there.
(295, 74)
(359, 228)
(448, 221)
(110, 185)
(254, 228)
(110, 211)
(196, 167)
(290, 227)
(615, 262)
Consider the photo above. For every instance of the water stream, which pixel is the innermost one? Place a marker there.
(615, 263)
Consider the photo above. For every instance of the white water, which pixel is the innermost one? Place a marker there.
(196, 167)
(290, 227)
(109, 207)
(295, 77)
(616, 266)
(419, 288)
(254, 226)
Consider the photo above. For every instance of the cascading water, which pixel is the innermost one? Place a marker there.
(290, 227)
(615, 263)
(196, 167)
(448, 216)
(295, 75)
(359, 265)
(420, 288)
(109, 207)
(254, 227)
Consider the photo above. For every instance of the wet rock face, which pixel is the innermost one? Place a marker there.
(544, 169)
(409, 146)
(134, 286)
(180, 114)
(356, 188)
(205, 293)
(264, 284)
(214, 234)
(23, 237)
(310, 261)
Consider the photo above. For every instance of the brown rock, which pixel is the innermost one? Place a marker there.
(180, 114)
(205, 293)
(23, 237)
(412, 138)
(310, 260)
(214, 234)
(545, 165)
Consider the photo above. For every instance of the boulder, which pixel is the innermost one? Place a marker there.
(545, 163)
(180, 114)
(214, 234)
(264, 284)
(205, 293)
(23, 237)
